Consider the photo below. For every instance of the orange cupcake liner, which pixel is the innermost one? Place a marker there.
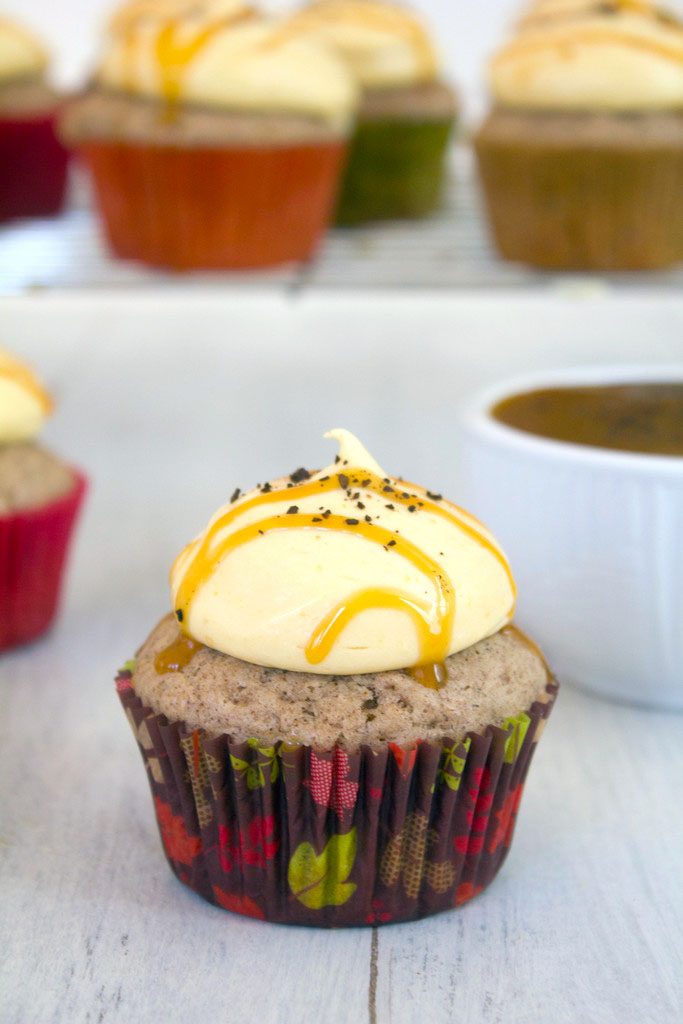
(210, 208)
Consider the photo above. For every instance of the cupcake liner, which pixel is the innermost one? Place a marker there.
(396, 169)
(583, 207)
(34, 544)
(292, 835)
(33, 167)
(229, 208)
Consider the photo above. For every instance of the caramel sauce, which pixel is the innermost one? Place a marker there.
(671, 51)
(24, 378)
(177, 655)
(433, 676)
(210, 550)
(175, 49)
(638, 417)
(382, 20)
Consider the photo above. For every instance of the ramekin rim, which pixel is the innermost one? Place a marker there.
(477, 417)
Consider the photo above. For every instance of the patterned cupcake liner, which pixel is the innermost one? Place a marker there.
(34, 544)
(330, 839)
(216, 208)
(33, 167)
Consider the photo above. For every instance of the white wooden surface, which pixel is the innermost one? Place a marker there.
(584, 924)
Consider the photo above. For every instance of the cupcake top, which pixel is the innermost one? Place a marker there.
(571, 55)
(384, 44)
(21, 54)
(24, 403)
(222, 54)
(346, 571)
(485, 684)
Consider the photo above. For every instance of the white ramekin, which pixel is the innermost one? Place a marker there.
(595, 538)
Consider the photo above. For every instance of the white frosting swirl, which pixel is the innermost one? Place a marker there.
(21, 54)
(384, 45)
(346, 572)
(582, 56)
(24, 404)
(220, 53)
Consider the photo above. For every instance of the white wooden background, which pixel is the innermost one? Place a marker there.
(584, 924)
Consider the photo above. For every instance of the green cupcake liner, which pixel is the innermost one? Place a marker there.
(396, 169)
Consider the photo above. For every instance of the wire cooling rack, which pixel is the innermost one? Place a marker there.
(448, 251)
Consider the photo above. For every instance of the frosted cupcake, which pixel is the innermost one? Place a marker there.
(39, 501)
(33, 163)
(337, 717)
(582, 156)
(214, 139)
(397, 161)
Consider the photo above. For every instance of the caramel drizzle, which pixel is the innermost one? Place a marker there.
(599, 35)
(20, 375)
(384, 19)
(434, 645)
(177, 655)
(173, 54)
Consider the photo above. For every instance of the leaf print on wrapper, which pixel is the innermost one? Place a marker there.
(519, 725)
(465, 892)
(179, 846)
(253, 771)
(329, 783)
(254, 847)
(453, 764)
(320, 880)
(506, 817)
(405, 858)
(238, 904)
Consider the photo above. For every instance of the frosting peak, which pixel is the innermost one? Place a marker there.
(385, 45)
(20, 52)
(342, 571)
(24, 403)
(580, 55)
(222, 53)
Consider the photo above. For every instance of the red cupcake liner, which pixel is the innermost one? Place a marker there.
(33, 167)
(230, 208)
(297, 836)
(34, 544)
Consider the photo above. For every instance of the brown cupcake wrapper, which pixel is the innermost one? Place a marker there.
(583, 207)
(292, 835)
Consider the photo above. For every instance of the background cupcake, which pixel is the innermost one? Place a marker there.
(582, 157)
(33, 163)
(39, 501)
(398, 155)
(337, 719)
(214, 138)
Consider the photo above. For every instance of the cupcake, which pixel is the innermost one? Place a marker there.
(40, 497)
(581, 158)
(33, 163)
(397, 159)
(215, 139)
(337, 717)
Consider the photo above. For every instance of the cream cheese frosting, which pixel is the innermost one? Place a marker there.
(24, 403)
(21, 54)
(384, 44)
(614, 56)
(342, 571)
(220, 53)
